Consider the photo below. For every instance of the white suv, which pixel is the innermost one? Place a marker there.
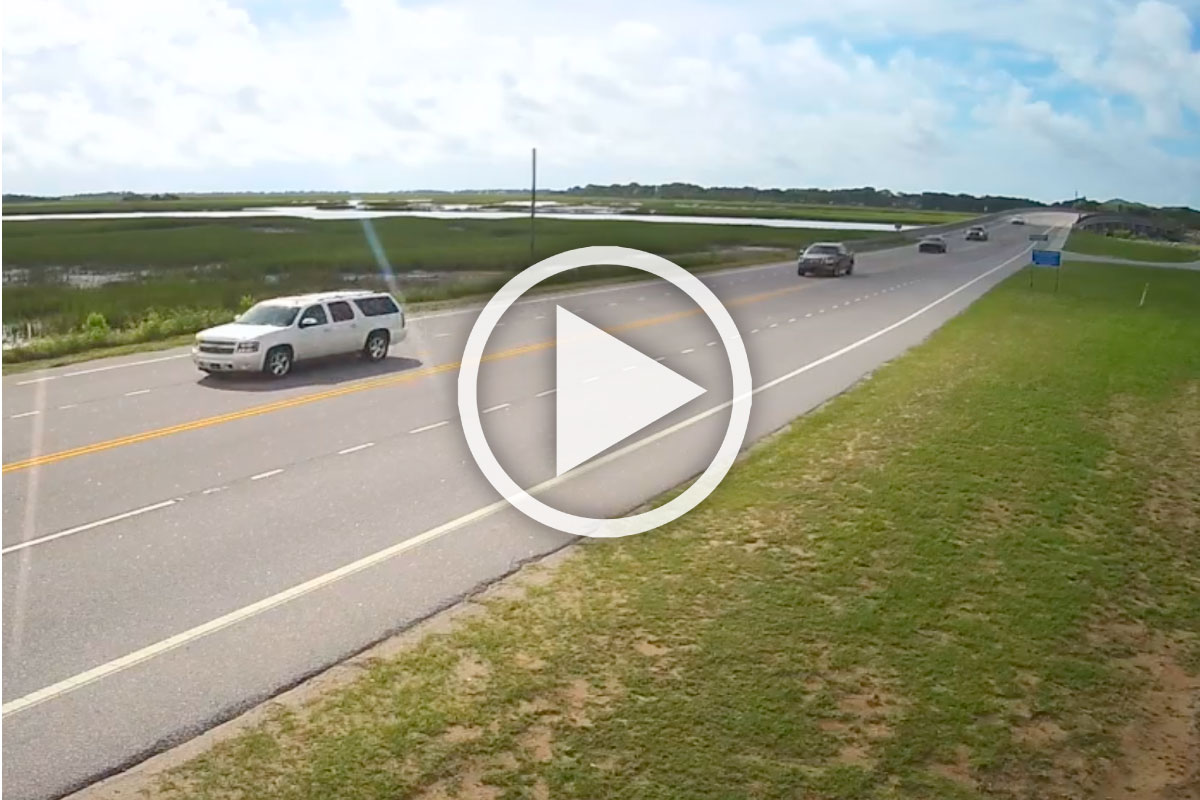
(274, 334)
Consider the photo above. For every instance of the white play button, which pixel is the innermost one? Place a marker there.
(607, 391)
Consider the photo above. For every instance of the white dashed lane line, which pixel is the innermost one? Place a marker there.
(68, 405)
(592, 379)
(136, 392)
(688, 350)
(355, 448)
(269, 473)
(548, 391)
(24, 414)
(88, 526)
(424, 428)
(500, 407)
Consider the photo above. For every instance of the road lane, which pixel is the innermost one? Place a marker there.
(80, 601)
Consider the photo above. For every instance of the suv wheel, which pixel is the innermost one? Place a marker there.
(376, 348)
(278, 361)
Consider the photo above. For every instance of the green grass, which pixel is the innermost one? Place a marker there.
(215, 202)
(903, 216)
(158, 331)
(931, 587)
(1096, 244)
(59, 351)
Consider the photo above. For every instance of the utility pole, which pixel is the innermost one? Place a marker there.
(533, 207)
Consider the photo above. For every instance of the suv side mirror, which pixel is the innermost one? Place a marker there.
(308, 322)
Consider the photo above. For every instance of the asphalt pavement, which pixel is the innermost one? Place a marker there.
(179, 547)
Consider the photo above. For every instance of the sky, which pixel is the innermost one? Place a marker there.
(1033, 98)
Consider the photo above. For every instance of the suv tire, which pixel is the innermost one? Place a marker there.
(278, 362)
(376, 346)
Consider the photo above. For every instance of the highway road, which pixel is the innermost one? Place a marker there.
(179, 547)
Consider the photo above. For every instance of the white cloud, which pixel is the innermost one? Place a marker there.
(378, 94)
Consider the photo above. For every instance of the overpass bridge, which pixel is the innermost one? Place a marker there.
(1106, 222)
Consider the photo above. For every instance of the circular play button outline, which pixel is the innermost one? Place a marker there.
(525, 502)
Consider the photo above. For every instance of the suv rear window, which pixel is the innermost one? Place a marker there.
(823, 250)
(376, 306)
(341, 311)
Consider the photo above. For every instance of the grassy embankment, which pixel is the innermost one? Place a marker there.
(975, 575)
(1095, 244)
(196, 272)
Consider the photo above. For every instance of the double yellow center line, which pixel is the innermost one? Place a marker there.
(363, 386)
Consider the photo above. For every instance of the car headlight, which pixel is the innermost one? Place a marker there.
(247, 347)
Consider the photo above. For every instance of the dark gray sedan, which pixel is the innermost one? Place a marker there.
(932, 244)
(826, 258)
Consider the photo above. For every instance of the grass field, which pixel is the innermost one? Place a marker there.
(1096, 244)
(188, 269)
(974, 575)
(217, 202)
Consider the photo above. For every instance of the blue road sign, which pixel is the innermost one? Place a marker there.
(1047, 258)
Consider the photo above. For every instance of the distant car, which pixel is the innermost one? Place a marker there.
(977, 233)
(828, 258)
(1018, 220)
(932, 244)
(275, 334)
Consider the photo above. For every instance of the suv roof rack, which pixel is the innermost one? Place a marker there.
(325, 297)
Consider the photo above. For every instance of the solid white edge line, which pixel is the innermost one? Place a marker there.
(430, 427)
(237, 615)
(86, 527)
(269, 473)
(356, 448)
